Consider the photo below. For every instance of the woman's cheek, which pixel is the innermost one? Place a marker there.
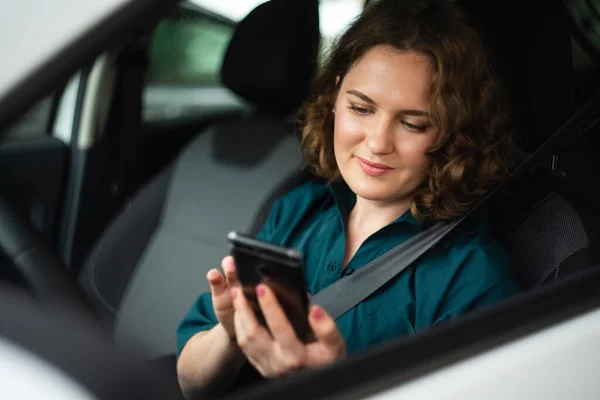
(411, 149)
(349, 131)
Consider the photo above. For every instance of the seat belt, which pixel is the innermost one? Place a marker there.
(343, 295)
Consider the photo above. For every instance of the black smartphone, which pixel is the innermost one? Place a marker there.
(279, 268)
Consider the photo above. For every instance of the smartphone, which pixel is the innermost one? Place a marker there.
(282, 270)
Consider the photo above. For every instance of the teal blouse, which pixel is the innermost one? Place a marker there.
(467, 270)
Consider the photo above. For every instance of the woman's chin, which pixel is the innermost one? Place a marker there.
(373, 191)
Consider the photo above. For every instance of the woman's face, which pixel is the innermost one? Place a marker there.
(382, 128)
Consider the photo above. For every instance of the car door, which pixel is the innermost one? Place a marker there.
(34, 159)
(68, 191)
(172, 68)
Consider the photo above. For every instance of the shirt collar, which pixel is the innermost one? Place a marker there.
(345, 200)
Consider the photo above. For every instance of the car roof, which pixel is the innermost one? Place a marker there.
(48, 41)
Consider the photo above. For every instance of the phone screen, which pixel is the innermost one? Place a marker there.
(279, 268)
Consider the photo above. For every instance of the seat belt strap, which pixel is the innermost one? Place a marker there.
(347, 292)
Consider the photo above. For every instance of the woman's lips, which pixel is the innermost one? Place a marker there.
(373, 169)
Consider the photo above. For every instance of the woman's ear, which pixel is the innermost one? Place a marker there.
(337, 81)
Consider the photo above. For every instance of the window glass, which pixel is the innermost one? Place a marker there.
(33, 124)
(188, 50)
(585, 22)
(235, 10)
(335, 15)
(186, 53)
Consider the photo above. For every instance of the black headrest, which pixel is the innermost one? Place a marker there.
(532, 48)
(272, 56)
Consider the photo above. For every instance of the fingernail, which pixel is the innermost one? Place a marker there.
(233, 293)
(318, 313)
(260, 290)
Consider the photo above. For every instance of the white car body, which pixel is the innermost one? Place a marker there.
(557, 361)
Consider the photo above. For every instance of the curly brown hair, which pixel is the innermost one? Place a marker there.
(473, 149)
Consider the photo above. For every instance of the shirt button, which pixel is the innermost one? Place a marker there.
(332, 267)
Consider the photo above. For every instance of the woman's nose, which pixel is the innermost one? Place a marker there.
(379, 138)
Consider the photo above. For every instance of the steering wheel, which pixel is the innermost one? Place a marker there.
(44, 274)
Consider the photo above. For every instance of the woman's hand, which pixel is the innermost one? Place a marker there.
(282, 353)
(220, 288)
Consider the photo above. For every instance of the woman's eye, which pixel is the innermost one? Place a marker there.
(416, 128)
(359, 110)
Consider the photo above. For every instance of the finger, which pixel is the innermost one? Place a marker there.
(277, 321)
(216, 281)
(324, 328)
(254, 357)
(252, 336)
(228, 266)
(309, 296)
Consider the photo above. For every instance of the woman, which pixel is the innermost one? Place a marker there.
(410, 126)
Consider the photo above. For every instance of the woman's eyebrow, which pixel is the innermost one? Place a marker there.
(361, 96)
(364, 97)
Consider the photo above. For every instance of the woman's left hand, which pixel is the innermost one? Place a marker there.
(280, 352)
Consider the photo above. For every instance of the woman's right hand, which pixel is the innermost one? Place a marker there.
(220, 288)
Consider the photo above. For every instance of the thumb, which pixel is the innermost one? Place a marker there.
(324, 327)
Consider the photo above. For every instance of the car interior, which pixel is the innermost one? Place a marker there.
(121, 223)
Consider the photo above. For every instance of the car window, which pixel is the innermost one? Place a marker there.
(33, 124)
(53, 115)
(585, 21)
(335, 15)
(187, 51)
